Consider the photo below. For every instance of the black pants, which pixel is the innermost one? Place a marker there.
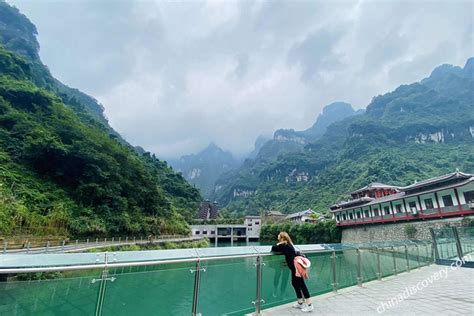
(300, 287)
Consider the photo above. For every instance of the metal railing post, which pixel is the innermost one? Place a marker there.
(197, 274)
(62, 245)
(379, 270)
(87, 241)
(434, 244)
(394, 262)
(418, 255)
(458, 243)
(333, 268)
(47, 246)
(406, 257)
(359, 268)
(96, 241)
(258, 295)
(5, 245)
(77, 243)
(28, 245)
(428, 253)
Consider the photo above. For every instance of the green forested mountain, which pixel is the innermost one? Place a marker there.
(63, 169)
(415, 132)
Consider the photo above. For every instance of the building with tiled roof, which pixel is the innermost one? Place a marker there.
(444, 196)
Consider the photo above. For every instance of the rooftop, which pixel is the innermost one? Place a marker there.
(298, 214)
(455, 175)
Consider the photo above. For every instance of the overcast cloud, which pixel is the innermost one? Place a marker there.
(174, 76)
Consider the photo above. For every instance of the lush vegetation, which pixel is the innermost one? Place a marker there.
(416, 132)
(306, 233)
(63, 169)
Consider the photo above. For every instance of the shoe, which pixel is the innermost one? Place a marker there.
(307, 308)
(299, 306)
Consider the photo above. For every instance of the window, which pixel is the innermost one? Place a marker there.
(256, 223)
(213, 232)
(469, 196)
(412, 205)
(344, 217)
(337, 218)
(204, 232)
(358, 215)
(448, 200)
(376, 211)
(351, 216)
(429, 203)
(197, 232)
(398, 208)
(366, 213)
(386, 209)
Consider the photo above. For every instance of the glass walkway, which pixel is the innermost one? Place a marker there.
(207, 281)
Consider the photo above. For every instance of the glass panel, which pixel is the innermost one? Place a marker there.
(369, 264)
(400, 259)
(346, 268)
(413, 257)
(446, 243)
(276, 278)
(466, 237)
(228, 287)
(386, 262)
(154, 290)
(67, 293)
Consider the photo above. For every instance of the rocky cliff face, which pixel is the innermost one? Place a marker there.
(417, 131)
(203, 168)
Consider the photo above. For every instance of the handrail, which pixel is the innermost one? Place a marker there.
(109, 265)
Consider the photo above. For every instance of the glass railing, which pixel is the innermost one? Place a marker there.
(452, 243)
(207, 281)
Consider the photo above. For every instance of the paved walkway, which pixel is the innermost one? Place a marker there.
(451, 295)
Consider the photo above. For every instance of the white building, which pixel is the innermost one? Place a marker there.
(253, 224)
(250, 229)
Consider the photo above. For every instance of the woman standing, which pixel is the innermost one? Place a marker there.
(285, 246)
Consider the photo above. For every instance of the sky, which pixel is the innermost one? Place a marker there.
(175, 76)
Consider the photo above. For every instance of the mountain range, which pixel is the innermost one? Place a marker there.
(417, 131)
(63, 169)
(206, 167)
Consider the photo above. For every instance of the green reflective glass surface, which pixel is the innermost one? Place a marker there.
(228, 287)
(346, 268)
(63, 296)
(154, 290)
(276, 278)
(369, 264)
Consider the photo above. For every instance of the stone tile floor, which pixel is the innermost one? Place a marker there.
(452, 293)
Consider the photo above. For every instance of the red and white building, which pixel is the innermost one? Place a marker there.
(448, 195)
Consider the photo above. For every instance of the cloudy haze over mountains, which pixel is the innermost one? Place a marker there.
(175, 76)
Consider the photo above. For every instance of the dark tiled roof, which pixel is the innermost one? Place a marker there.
(375, 185)
(454, 175)
(301, 213)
